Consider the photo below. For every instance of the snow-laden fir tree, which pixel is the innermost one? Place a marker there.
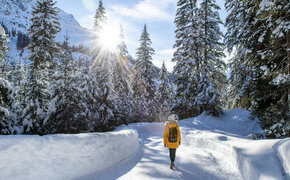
(121, 83)
(122, 45)
(261, 41)
(187, 56)
(8, 103)
(143, 85)
(64, 102)
(241, 72)
(101, 69)
(19, 79)
(44, 50)
(164, 94)
(100, 17)
(269, 42)
(212, 66)
(123, 92)
(3, 53)
(199, 53)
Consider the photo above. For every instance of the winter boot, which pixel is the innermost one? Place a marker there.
(171, 165)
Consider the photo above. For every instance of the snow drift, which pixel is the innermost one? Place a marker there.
(63, 156)
(211, 148)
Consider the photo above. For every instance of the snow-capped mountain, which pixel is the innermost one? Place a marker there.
(16, 14)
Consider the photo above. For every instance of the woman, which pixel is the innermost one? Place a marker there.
(172, 137)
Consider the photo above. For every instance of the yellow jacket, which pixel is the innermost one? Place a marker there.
(173, 145)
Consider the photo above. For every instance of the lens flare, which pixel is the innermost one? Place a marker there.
(110, 37)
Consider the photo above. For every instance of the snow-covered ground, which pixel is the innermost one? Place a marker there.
(212, 148)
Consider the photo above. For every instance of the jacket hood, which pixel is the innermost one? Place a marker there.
(170, 122)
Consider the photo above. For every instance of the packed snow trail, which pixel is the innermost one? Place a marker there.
(211, 148)
(152, 161)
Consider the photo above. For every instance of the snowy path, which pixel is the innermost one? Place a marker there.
(152, 162)
(211, 148)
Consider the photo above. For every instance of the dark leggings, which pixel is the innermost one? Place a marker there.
(172, 154)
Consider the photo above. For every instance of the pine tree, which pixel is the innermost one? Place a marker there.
(8, 103)
(187, 57)
(64, 102)
(261, 44)
(44, 50)
(101, 69)
(164, 95)
(144, 88)
(199, 51)
(212, 65)
(271, 85)
(100, 17)
(121, 83)
(123, 92)
(3, 54)
(241, 72)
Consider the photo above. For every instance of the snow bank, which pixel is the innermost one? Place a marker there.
(64, 156)
(234, 122)
(283, 153)
(230, 137)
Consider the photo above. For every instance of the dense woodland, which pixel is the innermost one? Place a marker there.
(56, 93)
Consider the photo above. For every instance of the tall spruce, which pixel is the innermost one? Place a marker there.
(100, 16)
(164, 93)
(212, 67)
(261, 42)
(269, 41)
(8, 103)
(121, 83)
(187, 56)
(144, 87)
(64, 102)
(3, 53)
(241, 72)
(199, 53)
(44, 50)
(101, 70)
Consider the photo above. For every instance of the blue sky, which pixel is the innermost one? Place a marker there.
(133, 14)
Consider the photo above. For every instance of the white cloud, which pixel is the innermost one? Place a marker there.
(154, 10)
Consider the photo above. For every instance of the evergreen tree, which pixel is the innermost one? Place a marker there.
(261, 44)
(164, 95)
(144, 88)
(269, 41)
(3, 54)
(241, 71)
(122, 89)
(123, 92)
(8, 103)
(122, 45)
(198, 54)
(101, 69)
(187, 56)
(100, 17)
(44, 50)
(64, 102)
(212, 65)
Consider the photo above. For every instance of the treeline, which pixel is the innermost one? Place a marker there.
(258, 36)
(56, 93)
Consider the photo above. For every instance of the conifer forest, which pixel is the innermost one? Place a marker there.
(49, 91)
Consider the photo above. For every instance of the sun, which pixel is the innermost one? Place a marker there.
(110, 37)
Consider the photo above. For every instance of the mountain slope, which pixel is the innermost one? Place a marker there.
(16, 14)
